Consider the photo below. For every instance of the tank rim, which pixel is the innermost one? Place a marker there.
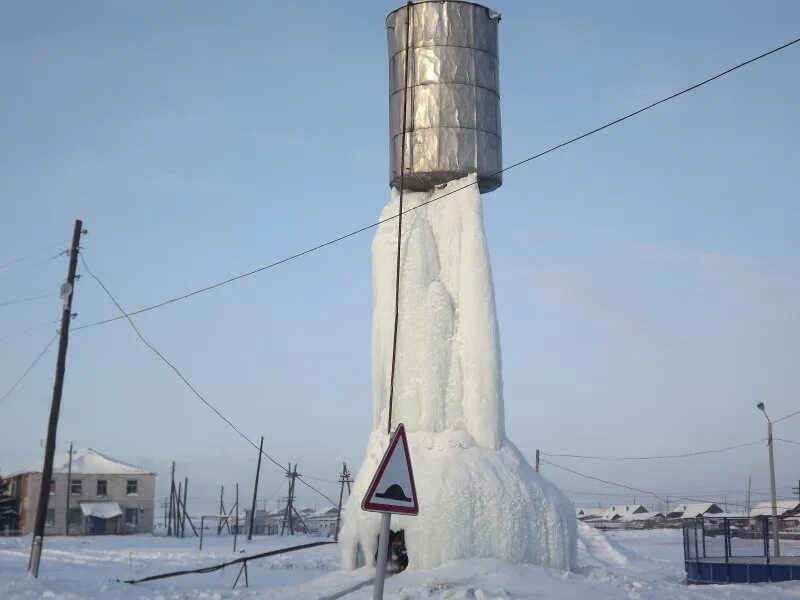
(490, 10)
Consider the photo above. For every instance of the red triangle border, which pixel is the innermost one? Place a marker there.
(366, 505)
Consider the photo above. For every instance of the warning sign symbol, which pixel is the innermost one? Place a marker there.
(392, 489)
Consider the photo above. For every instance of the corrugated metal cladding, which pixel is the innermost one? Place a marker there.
(453, 117)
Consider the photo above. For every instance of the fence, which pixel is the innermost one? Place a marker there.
(739, 550)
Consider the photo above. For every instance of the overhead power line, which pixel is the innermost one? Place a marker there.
(28, 299)
(435, 199)
(31, 255)
(188, 383)
(787, 416)
(628, 487)
(29, 369)
(787, 441)
(29, 267)
(756, 491)
(28, 330)
(686, 455)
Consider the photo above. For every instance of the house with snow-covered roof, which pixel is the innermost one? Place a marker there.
(699, 509)
(623, 512)
(589, 514)
(91, 494)
(786, 508)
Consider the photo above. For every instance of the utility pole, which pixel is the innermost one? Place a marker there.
(344, 479)
(69, 487)
(776, 548)
(749, 481)
(183, 513)
(221, 510)
(67, 294)
(178, 511)
(538, 460)
(171, 500)
(236, 522)
(796, 490)
(255, 491)
(292, 475)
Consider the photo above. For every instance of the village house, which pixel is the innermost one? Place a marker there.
(589, 514)
(104, 496)
(700, 509)
(786, 508)
(323, 522)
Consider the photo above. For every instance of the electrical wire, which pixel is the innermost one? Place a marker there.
(31, 255)
(437, 198)
(787, 441)
(29, 267)
(787, 416)
(628, 487)
(187, 382)
(28, 299)
(30, 368)
(755, 491)
(686, 455)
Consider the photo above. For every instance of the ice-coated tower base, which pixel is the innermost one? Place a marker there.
(478, 496)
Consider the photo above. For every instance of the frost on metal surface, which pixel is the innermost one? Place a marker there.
(453, 116)
(478, 496)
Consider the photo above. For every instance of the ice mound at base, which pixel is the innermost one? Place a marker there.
(474, 502)
(478, 496)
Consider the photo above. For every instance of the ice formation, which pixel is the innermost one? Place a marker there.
(478, 496)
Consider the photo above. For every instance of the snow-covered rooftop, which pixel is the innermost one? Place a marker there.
(622, 511)
(688, 511)
(765, 508)
(86, 461)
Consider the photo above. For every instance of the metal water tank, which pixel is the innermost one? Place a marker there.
(453, 110)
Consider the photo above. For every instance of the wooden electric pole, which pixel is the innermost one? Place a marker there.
(255, 491)
(69, 487)
(291, 474)
(344, 479)
(67, 294)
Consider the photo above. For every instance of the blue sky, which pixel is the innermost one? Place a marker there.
(647, 278)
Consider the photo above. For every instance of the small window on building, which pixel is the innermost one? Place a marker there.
(52, 487)
(75, 516)
(50, 519)
(133, 487)
(132, 517)
(102, 487)
(76, 488)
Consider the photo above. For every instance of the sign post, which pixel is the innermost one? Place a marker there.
(392, 490)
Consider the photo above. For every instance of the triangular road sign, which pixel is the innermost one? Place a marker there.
(392, 489)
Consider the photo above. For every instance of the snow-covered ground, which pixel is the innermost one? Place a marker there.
(632, 564)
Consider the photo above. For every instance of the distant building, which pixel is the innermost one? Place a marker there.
(323, 522)
(589, 514)
(320, 522)
(689, 511)
(786, 508)
(623, 512)
(106, 496)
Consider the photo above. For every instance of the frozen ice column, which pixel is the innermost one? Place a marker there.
(453, 115)
(448, 372)
(478, 495)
